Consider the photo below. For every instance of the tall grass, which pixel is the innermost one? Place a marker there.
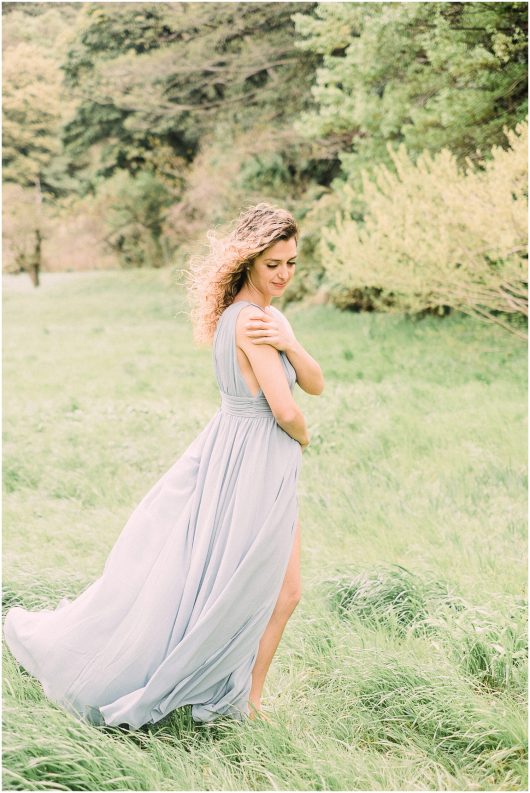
(405, 665)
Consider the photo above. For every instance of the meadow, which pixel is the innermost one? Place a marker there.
(404, 667)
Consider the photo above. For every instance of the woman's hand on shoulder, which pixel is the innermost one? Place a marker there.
(267, 367)
(266, 327)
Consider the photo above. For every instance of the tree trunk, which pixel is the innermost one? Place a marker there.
(34, 263)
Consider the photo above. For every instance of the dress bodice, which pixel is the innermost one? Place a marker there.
(235, 394)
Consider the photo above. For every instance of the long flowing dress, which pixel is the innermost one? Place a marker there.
(190, 584)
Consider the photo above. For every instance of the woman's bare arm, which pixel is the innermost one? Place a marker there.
(272, 327)
(270, 374)
(308, 372)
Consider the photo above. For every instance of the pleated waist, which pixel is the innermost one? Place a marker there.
(245, 406)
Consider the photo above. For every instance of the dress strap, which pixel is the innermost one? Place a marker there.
(249, 302)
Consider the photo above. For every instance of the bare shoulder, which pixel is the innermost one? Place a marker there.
(249, 309)
(245, 314)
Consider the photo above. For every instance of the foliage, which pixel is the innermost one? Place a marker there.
(73, 231)
(25, 221)
(166, 73)
(436, 235)
(429, 75)
(136, 211)
(227, 104)
(34, 103)
(234, 168)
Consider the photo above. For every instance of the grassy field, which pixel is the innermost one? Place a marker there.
(404, 665)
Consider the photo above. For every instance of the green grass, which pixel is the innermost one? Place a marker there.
(404, 666)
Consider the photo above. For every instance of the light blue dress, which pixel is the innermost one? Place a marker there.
(190, 584)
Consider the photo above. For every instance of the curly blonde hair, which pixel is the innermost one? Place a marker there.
(216, 277)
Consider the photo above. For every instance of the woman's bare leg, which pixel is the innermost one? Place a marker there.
(285, 605)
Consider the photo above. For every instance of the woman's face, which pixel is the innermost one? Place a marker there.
(274, 267)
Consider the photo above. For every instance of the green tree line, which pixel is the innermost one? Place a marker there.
(131, 128)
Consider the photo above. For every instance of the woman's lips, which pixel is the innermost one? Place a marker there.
(274, 284)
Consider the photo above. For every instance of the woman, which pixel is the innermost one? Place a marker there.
(197, 589)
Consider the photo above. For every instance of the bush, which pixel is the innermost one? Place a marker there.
(434, 235)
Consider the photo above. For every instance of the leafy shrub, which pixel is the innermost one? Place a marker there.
(434, 235)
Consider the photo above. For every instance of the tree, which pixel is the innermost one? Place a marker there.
(34, 103)
(428, 75)
(25, 225)
(136, 207)
(166, 73)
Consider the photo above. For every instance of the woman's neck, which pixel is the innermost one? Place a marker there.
(257, 297)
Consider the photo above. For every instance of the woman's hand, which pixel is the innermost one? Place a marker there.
(266, 329)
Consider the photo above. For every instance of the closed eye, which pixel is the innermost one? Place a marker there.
(272, 266)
